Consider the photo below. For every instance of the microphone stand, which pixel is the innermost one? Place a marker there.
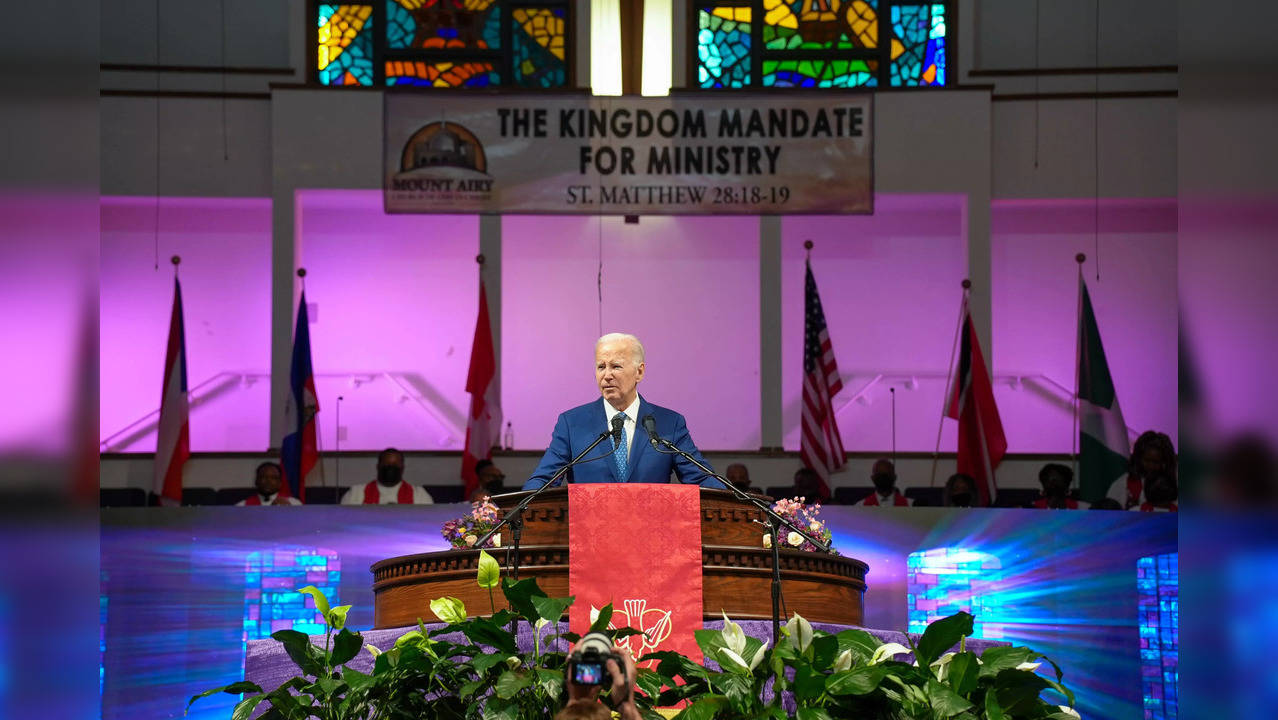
(775, 521)
(515, 518)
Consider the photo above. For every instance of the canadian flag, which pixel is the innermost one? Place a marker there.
(173, 440)
(483, 425)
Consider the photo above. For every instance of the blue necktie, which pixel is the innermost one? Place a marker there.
(619, 452)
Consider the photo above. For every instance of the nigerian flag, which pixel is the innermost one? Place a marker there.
(1102, 434)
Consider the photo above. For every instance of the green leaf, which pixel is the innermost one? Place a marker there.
(498, 708)
(520, 594)
(489, 575)
(484, 663)
(963, 673)
(808, 684)
(649, 682)
(997, 659)
(861, 680)
(306, 656)
(704, 708)
(449, 609)
(993, 711)
(824, 650)
(811, 713)
(550, 609)
(234, 688)
(551, 682)
(356, 679)
(244, 708)
(941, 635)
(710, 641)
(346, 646)
(601, 623)
(1018, 690)
(860, 642)
(485, 632)
(944, 701)
(738, 690)
(337, 616)
(321, 600)
(511, 682)
(469, 688)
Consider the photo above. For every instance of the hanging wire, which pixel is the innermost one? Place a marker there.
(1096, 144)
(156, 228)
(226, 142)
(599, 276)
(1037, 101)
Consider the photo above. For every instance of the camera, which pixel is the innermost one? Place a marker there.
(586, 664)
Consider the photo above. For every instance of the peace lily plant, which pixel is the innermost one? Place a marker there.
(472, 668)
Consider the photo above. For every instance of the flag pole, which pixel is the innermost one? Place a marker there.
(1078, 348)
(949, 378)
(319, 436)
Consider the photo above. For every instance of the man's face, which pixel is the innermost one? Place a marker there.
(268, 480)
(618, 373)
(390, 469)
(491, 474)
(1151, 461)
(738, 475)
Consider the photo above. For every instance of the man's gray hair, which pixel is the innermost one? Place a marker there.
(623, 337)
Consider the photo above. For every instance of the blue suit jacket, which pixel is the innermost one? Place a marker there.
(578, 427)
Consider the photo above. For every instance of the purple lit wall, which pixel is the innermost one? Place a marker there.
(393, 311)
(225, 244)
(688, 287)
(394, 300)
(1035, 310)
(889, 284)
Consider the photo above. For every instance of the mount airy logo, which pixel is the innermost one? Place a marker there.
(443, 161)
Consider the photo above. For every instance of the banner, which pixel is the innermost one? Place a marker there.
(687, 154)
(638, 547)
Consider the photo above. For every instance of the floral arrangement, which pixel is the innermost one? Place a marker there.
(805, 516)
(466, 530)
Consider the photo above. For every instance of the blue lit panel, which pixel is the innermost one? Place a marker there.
(271, 599)
(943, 581)
(1158, 592)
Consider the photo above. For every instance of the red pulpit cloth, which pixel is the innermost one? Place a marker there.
(637, 546)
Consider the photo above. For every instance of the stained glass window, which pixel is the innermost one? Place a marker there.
(444, 43)
(820, 43)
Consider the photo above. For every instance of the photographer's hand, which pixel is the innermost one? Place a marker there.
(623, 686)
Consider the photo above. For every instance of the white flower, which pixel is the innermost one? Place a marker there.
(800, 632)
(758, 655)
(470, 539)
(940, 666)
(733, 637)
(794, 538)
(1070, 711)
(886, 652)
(843, 661)
(767, 540)
(815, 526)
(512, 662)
(373, 650)
(1028, 666)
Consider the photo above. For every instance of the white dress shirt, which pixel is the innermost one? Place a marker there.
(632, 422)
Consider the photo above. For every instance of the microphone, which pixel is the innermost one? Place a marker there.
(618, 423)
(650, 425)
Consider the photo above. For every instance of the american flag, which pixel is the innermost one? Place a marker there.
(821, 448)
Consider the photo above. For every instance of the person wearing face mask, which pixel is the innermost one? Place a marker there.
(1056, 479)
(960, 490)
(885, 494)
(389, 488)
(1161, 493)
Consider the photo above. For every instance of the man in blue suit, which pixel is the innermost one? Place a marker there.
(619, 367)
